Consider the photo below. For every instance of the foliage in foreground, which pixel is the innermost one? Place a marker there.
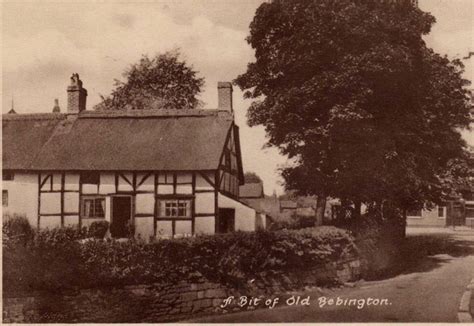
(57, 259)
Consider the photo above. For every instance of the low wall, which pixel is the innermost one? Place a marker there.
(161, 302)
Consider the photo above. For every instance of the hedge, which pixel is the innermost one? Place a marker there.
(56, 259)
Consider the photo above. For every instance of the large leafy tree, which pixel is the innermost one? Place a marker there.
(351, 93)
(164, 81)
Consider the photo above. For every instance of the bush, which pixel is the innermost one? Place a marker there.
(293, 223)
(379, 243)
(16, 228)
(225, 258)
(98, 229)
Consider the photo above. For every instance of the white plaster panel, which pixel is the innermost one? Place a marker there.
(57, 181)
(169, 177)
(148, 184)
(202, 183)
(145, 203)
(107, 183)
(50, 203)
(22, 197)
(50, 222)
(244, 215)
(204, 225)
(165, 189)
(205, 203)
(184, 177)
(71, 202)
(183, 228)
(25, 178)
(71, 181)
(164, 229)
(184, 189)
(123, 185)
(144, 227)
(108, 209)
(71, 220)
(89, 189)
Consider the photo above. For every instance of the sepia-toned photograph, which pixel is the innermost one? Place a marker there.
(237, 161)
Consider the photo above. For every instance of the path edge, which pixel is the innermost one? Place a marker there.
(464, 311)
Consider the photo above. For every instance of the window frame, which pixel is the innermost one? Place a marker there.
(90, 178)
(8, 175)
(443, 210)
(94, 199)
(174, 208)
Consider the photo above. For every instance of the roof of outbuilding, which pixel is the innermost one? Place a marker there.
(289, 204)
(119, 140)
(251, 190)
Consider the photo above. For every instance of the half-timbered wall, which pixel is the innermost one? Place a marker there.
(164, 204)
(228, 171)
(58, 200)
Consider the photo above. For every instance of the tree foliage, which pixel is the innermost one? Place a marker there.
(164, 82)
(252, 177)
(350, 91)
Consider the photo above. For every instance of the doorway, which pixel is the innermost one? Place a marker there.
(226, 220)
(121, 215)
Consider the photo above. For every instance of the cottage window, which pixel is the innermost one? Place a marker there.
(5, 198)
(93, 207)
(470, 210)
(90, 178)
(441, 211)
(175, 208)
(7, 175)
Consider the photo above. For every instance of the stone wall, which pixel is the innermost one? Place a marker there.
(161, 302)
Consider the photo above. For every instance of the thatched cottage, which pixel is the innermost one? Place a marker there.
(165, 172)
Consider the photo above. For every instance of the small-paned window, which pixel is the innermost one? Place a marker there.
(7, 175)
(5, 198)
(93, 207)
(90, 178)
(175, 208)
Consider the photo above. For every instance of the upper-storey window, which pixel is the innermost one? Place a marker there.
(90, 178)
(7, 175)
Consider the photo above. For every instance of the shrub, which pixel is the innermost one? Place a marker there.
(294, 222)
(98, 229)
(16, 228)
(230, 258)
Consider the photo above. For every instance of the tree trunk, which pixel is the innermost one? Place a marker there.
(357, 209)
(320, 208)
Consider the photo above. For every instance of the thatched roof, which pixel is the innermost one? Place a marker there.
(123, 140)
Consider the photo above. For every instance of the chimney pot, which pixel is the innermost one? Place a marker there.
(56, 108)
(76, 95)
(224, 96)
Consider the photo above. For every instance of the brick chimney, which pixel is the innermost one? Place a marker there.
(224, 96)
(76, 95)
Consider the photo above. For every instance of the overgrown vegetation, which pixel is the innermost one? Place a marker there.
(58, 259)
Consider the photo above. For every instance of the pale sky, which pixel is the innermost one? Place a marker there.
(43, 43)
